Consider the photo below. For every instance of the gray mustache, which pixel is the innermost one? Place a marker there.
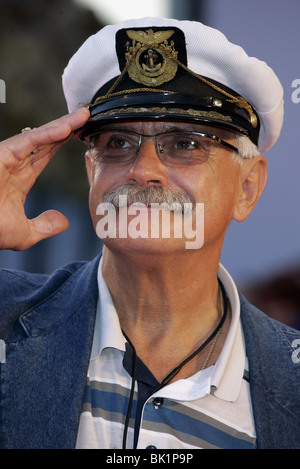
(148, 195)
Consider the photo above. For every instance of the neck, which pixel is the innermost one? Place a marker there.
(156, 298)
(168, 305)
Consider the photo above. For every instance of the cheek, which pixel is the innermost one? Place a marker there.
(102, 179)
(218, 191)
(220, 205)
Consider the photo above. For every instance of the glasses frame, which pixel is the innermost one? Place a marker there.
(159, 150)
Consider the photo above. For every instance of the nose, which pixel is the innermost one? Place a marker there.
(147, 169)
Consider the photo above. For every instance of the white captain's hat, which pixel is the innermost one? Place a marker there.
(168, 69)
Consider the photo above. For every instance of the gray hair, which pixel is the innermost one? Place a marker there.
(247, 149)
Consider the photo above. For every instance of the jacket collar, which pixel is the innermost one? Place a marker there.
(273, 379)
(49, 365)
(76, 284)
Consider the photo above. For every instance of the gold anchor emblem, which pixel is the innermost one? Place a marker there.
(151, 60)
(150, 65)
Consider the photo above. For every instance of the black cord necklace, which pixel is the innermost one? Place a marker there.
(176, 370)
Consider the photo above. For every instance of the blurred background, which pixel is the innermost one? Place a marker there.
(38, 37)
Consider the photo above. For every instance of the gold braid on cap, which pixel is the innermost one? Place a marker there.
(238, 100)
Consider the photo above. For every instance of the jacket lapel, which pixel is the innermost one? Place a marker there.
(273, 379)
(44, 375)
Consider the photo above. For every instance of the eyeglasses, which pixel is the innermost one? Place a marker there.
(117, 146)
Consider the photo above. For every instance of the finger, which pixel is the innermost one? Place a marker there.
(40, 160)
(76, 119)
(24, 144)
(55, 131)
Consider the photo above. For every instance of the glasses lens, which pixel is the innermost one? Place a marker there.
(121, 146)
(185, 147)
(113, 146)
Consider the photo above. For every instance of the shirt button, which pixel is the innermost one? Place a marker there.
(151, 447)
(158, 401)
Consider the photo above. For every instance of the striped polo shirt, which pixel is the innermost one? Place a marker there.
(210, 409)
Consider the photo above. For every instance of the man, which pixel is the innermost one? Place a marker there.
(150, 345)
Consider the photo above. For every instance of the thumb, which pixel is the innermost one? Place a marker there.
(47, 225)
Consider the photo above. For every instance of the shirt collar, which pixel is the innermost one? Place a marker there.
(108, 332)
(223, 379)
(229, 369)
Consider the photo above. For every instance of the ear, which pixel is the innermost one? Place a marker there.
(254, 175)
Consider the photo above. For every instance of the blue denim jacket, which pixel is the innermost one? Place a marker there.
(47, 324)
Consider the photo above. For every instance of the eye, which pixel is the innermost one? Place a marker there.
(176, 141)
(118, 143)
(185, 144)
(110, 140)
(114, 146)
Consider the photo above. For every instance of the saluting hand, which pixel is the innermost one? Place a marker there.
(22, 159)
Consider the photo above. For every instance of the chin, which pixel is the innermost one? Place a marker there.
(145, 246)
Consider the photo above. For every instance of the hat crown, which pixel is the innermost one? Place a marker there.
(209, 54)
